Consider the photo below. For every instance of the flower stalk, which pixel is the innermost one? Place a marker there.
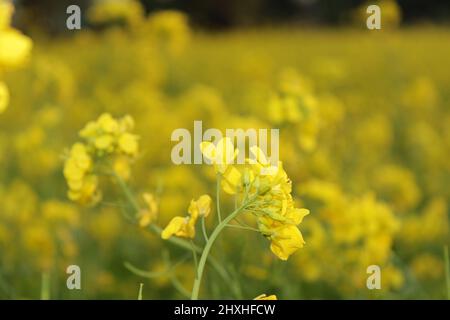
(208, 246)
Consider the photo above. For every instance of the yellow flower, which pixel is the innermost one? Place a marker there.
(285, 241)
(89, 130)
(111, 135)
(185, 226)
(105, 137)
(77, 171)
(126, 123)
(6, 11)
(201, 206)
(220, 155)
(128, 143)
(87, 193)
(4, 97)
(231, 180)
(148, 215)
(104, 142)
(266, 297)
(179, 226)
(277, 217)
(107, 123)
(14, 48)
(78, 163)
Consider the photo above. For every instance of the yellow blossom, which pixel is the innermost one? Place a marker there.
(128, 143)
(201, 206)
(185, 226)
(149, 214)
(14, 48)
(6, 11)
(266, 297)
(104, 142)
(285, 241)
(107, 123)
(4, 96)
(220, 155)
(179, 226)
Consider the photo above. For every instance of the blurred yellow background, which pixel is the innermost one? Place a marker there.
(364, 124)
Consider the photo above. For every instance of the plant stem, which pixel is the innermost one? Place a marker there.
(141, 286)
(132, 200)
(242, 227)
(194, 253)
(218, 198)
(178, 286)
(205, 234)
(207, 249)
(447, 271)
(45, 286)
(176, 241)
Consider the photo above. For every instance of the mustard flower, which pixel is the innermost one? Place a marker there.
(202, 205)
(106, 137)
(277, 218)
(266, 297)
(14, 48)
(220, 155)
(149, 214)
(185, 226)
(6, 11)
(78, 173)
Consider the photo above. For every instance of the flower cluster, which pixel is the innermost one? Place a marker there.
(270, 190)
(106, 141)
(78, 173)
(14, 48)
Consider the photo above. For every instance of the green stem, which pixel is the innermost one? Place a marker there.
(194, 253)
(45, 286)
(242, 227)
(205, 234)
(132, 200)
(176, 241)
(218, 197)
(170, 272)
(178, 286)
(447, 271)
(126, 190)
(141, 286)
(207, 249)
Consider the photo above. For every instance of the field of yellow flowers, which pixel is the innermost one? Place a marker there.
(87, 179)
